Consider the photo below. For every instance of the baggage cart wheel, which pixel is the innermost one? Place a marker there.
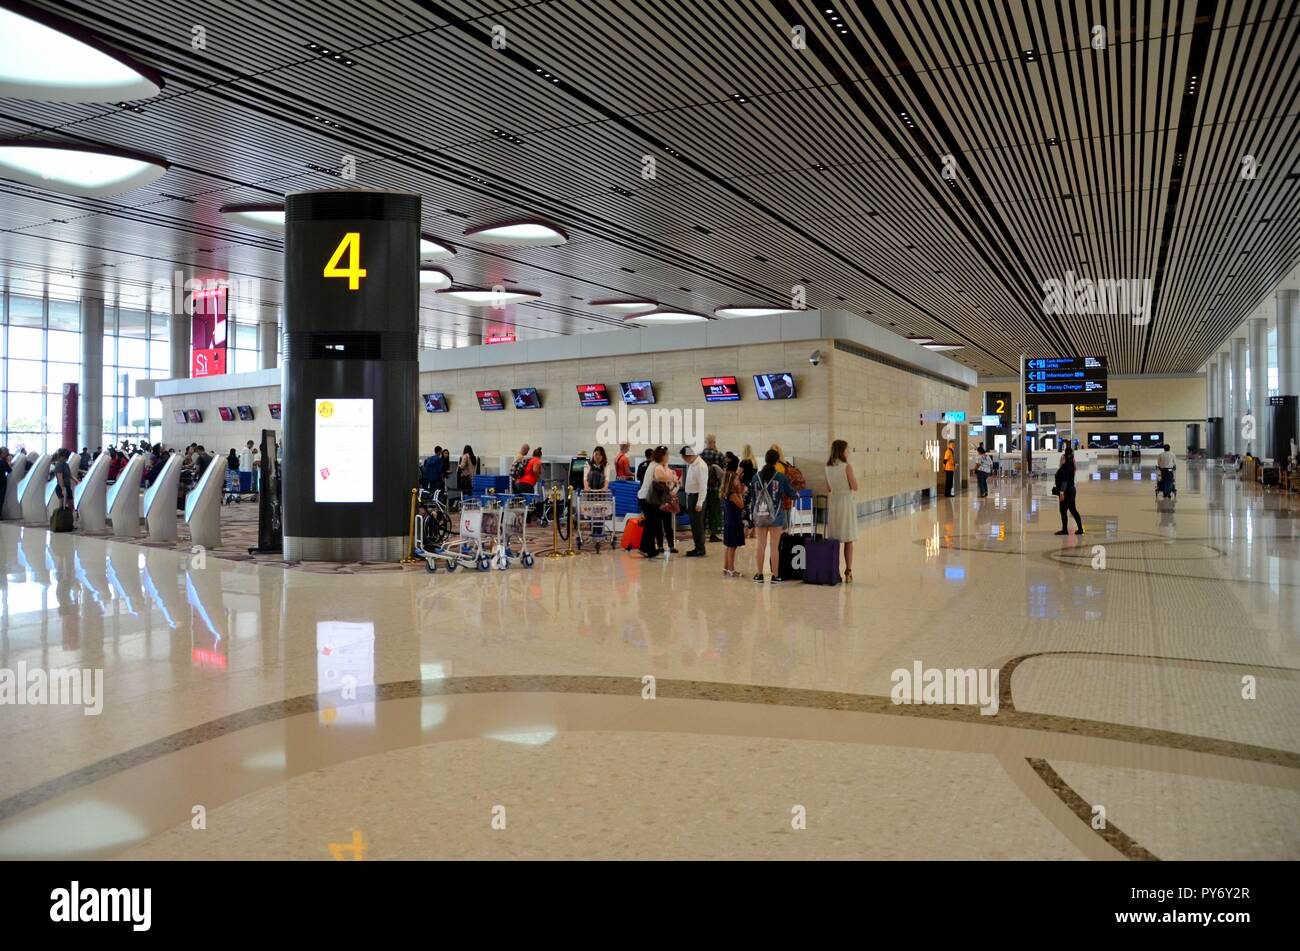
(527, 561)
(431, 567)
(451, 566)
(484, 563)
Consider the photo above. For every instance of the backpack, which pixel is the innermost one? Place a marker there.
(764, 505)
(596, 477)
(715, 476)
(797, 482)
(518, 469)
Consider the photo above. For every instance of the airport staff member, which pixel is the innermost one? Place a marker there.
(949, 468)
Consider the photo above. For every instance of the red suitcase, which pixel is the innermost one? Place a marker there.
(632, 533)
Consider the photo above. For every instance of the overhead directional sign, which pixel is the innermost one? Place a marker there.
(1094, 388)
(1052, 376)
(1097, 410)
(1047, 378)
(1066, 363)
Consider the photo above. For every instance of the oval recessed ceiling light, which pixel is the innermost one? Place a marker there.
(92, 171)
(626, 305)
(434, 279)
(47, 58)
(523, 233)
(666, 317)
(262, 216)
(921, 340)
(487, 297)
(431, 247)
(751, 311)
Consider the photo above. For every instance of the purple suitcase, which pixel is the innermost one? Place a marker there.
(822, 555)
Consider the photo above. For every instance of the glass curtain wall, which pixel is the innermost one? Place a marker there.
(40, 350)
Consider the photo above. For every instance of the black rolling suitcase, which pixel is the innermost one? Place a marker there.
(793, 543)
(1270, 475)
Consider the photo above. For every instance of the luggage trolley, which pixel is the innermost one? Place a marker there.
(514, 533)
(595, 518)
(480, 528)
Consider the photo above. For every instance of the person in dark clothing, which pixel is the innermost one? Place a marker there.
(62, 478)
(1064, 490)
(6, 467)
(430, 472)
(640, 470)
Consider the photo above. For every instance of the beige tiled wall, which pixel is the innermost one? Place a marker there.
(562, 427)
(875, 407)
(213, 433)
(878, 409)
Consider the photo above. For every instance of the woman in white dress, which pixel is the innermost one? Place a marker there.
(842, 518)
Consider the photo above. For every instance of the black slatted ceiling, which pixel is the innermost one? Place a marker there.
(815, 179)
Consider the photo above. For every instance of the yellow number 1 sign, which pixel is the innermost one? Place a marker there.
(351, 244)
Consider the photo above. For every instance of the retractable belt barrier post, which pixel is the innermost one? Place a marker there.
(568, 520)
(555, 525)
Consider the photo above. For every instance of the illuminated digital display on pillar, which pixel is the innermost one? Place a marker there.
(345, 433)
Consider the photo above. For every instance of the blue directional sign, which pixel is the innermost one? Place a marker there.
(1064, 379)
(1084, 387)
(1066, 363)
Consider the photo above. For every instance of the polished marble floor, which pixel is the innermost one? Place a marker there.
(605, 706)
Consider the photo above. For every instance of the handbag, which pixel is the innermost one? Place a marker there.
(658, 494)
(672, 506)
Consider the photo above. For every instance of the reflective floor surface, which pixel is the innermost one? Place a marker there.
(1146, 700)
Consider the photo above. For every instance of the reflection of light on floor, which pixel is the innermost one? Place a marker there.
(436, 671)
(433, 714)
(267, 759)
(82, 827)
(530, 736)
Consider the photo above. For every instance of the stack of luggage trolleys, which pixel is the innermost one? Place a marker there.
(492, 535)
(595, 522)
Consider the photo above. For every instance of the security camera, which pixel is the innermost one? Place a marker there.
(816, 358)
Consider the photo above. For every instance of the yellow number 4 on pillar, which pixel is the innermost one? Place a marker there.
(357, 848)
(354, 272)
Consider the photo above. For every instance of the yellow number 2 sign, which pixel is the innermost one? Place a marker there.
(354, 272)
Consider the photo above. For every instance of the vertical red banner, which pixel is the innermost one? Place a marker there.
(70, 391)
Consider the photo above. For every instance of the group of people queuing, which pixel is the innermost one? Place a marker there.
(735, 494)
(438, 473)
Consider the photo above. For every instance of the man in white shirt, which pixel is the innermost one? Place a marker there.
(246, 467)
(1166, 459)
(697, 490)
